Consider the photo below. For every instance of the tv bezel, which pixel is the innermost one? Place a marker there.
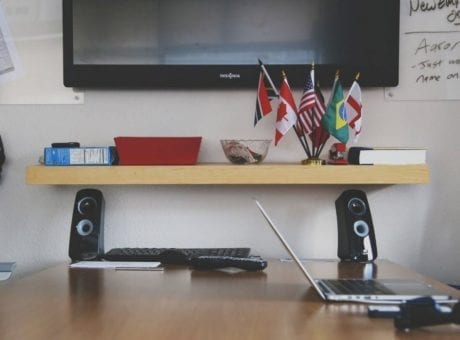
(213, 76)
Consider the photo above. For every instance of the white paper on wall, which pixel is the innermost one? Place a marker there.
(429, 51)
(31, 54)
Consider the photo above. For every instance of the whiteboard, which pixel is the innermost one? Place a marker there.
(429, 51)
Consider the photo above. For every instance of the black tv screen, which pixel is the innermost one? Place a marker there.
(217, 43)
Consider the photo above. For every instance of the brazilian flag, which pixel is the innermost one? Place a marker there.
(334, 120)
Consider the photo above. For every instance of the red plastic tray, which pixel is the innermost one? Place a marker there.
(157, 150)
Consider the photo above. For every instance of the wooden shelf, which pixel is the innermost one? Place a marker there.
(227, 174)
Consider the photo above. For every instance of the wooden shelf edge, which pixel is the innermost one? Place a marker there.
(227, 174)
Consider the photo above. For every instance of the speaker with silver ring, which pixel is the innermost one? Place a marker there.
(87, 228)
(356, 236)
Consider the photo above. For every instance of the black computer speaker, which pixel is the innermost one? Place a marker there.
(356, 237)
(87, 229)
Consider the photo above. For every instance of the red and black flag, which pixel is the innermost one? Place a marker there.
(265, 94)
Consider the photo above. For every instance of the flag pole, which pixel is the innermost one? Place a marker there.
(312, 73)
(312, 76)
(297, 132)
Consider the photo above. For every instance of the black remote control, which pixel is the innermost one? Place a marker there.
(216, 262)
(65, 145)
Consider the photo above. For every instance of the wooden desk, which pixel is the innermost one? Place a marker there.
(63, 303)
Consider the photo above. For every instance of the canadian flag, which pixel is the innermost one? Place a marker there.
(287, 111)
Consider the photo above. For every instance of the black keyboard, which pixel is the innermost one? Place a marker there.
(154, 254)
(352, 286)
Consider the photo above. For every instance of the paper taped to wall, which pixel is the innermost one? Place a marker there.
(429, 46)
(10, 65)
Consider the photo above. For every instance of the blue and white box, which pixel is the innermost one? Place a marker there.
(79, 156)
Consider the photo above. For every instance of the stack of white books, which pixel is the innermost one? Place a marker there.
(386, 155)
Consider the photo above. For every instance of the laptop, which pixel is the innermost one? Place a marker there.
(385, 291)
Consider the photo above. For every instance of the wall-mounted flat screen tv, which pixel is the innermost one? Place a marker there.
(217, 43)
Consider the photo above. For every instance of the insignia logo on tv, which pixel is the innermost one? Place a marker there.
(229, 75)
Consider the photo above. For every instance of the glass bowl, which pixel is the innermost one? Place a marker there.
(245, 151)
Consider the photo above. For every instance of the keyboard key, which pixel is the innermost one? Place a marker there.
(356, 286)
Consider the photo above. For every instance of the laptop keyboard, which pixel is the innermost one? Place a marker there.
(356, 286)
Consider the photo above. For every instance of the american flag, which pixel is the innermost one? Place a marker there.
(311, 109)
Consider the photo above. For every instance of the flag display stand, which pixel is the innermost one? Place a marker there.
(313, 161)
(314, 121)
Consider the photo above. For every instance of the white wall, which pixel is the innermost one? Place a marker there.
(416, 225)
